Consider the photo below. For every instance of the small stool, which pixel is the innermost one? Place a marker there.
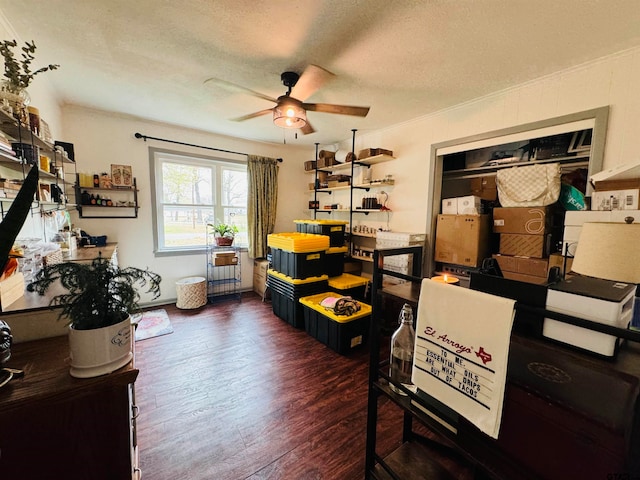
(191, 292)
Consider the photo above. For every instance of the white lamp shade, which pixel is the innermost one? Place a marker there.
(610, 251)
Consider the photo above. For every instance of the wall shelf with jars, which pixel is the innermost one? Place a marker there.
(104, 201)
(21, 146)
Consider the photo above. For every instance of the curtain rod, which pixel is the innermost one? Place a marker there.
(145, 137)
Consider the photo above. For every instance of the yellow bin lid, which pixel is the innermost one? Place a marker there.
(313, 302)
(296, 281)
(332, 250)
(346, 281)
(298, 242)
(323, 222)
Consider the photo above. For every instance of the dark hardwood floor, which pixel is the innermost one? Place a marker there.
(237, 393)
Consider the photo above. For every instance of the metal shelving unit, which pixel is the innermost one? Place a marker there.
(223, 281)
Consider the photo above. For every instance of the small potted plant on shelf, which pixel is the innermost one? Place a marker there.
(224, 233)
(97, 302)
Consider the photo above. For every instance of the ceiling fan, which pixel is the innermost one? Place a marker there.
(290, 110)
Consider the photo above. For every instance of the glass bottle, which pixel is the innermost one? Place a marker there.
(402, 343)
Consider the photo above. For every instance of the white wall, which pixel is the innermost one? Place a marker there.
(102, 138)
(609, 81)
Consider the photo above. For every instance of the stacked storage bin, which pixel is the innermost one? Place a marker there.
(286, 293)
(298, 261)
(341, 333)
(334, 229)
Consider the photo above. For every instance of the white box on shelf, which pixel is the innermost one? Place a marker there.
(449, 206)
(616, 200)
(469, 205)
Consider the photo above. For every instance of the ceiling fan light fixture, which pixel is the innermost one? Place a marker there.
(288, 113)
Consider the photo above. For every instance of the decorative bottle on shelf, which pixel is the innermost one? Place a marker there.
(85, 198)
(96, 181)
(402, 343)
(92, 199)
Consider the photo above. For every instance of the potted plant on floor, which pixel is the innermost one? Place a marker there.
(98, 300)
(224, 233)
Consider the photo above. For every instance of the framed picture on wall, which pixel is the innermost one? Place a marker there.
(121, 176)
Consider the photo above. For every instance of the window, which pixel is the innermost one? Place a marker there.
(191, 191)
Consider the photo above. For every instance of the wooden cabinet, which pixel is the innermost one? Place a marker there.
(55, 426)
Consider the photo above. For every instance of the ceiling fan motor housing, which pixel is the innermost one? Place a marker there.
(289, 80)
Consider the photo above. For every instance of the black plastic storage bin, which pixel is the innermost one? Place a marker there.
(340, 333)
(334, 261)
(350, 286)
(298, 265)
(334, 229)
(286, 292)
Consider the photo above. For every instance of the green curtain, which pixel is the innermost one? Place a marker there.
(262, 202)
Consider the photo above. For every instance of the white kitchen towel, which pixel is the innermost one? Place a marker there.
(462, 350)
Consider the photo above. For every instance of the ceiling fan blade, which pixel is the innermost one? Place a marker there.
(232, 87)
(252, 115)
(339, 109)
(307, 129)
(310, 81)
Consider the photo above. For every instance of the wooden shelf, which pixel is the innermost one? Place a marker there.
(413, 461)
(367, 162)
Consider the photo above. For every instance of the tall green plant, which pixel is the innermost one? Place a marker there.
(17, 214)
(98, 294)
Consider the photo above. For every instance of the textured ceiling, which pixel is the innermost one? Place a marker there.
(402, 58)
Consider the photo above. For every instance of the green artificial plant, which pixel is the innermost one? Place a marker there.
(224, 229)
(18, 72)
(98, 294)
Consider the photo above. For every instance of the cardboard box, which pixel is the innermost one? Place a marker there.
(521, 277)
(462, 239)
(624, 184)
(522, 220)
(260, 267)
(469, 205)
(559, 260)
(372, 152)
(537, 267)
(485, 187)
(11, 289)
(221, 259)
(449, 206)
(616, 200)
(537, 246)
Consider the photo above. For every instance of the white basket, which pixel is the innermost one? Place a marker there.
(191, 292)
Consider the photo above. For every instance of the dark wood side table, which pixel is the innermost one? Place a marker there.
(54, 426)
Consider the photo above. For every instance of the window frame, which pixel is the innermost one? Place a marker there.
(157, 156)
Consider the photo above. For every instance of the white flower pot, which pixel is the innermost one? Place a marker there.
(101, 350)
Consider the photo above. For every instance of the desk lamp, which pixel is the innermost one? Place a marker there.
(610, 251)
